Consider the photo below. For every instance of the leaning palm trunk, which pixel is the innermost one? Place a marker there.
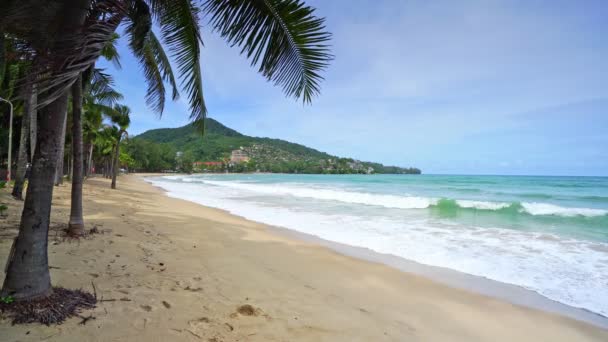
(25, 132)
(27, 272)
(60, 157)
(76, 223)
(115, 167)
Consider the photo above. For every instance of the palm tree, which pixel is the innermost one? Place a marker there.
(100, 92)
(122, 120)
(99, 102)
(105, 142)
(282, 38)
(17, 64)
(76, 223)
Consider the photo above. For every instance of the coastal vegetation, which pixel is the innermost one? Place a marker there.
(156, 150)
(48, 51)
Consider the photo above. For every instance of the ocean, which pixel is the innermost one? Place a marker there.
(545, 234)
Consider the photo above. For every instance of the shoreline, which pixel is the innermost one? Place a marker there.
(511, 293)
(173, 270)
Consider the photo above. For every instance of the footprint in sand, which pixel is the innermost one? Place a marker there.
(147, 308)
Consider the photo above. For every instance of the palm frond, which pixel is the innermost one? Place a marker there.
(101, 110)
(72, 54)
(283, 37)
(102, 88)
(110, 51)
(179, 22)
(122, 117)
(138, 29)
(163, 63)
(153, 59)
(32, 20)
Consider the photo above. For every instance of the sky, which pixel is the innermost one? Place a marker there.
(453, 87)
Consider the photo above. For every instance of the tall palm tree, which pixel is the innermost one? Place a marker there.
(99, 91)
(283, 38)
(122, 120)
(76, 222)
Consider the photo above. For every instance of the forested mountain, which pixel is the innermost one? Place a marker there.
(157, 149)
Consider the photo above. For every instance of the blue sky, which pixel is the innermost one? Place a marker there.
(472, 87)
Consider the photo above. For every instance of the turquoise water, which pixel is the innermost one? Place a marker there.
(547, 234)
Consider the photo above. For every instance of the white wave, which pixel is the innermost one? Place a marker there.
(483, 205)
(388, 201)
(534, 208)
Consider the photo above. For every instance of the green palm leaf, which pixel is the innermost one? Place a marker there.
(110, 51)
(179, 24)
(146, 47)
(122, 117)
(283, 37)
(101, 88)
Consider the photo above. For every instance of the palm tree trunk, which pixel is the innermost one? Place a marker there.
(116, 163)
(59, 167)
(76, 223)
(21, 160)
(22, 154)
(90, 163)
(111, 165)
(85, 157)
(70, 161)
(33, 117)
(27, 272)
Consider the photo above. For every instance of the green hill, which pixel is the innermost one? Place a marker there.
(156, 150)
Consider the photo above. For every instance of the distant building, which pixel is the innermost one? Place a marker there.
(200, 166)
(239, 156)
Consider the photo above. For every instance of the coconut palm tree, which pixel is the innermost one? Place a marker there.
(105, 142)
(99, 103)
(76, 223)
(101, 91)
(283, 38)
(122, 120)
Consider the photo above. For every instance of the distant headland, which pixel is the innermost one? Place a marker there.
(223, 149)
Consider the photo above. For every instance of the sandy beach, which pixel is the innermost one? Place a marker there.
(171, 270)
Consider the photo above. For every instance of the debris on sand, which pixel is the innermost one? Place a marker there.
(60, 305)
